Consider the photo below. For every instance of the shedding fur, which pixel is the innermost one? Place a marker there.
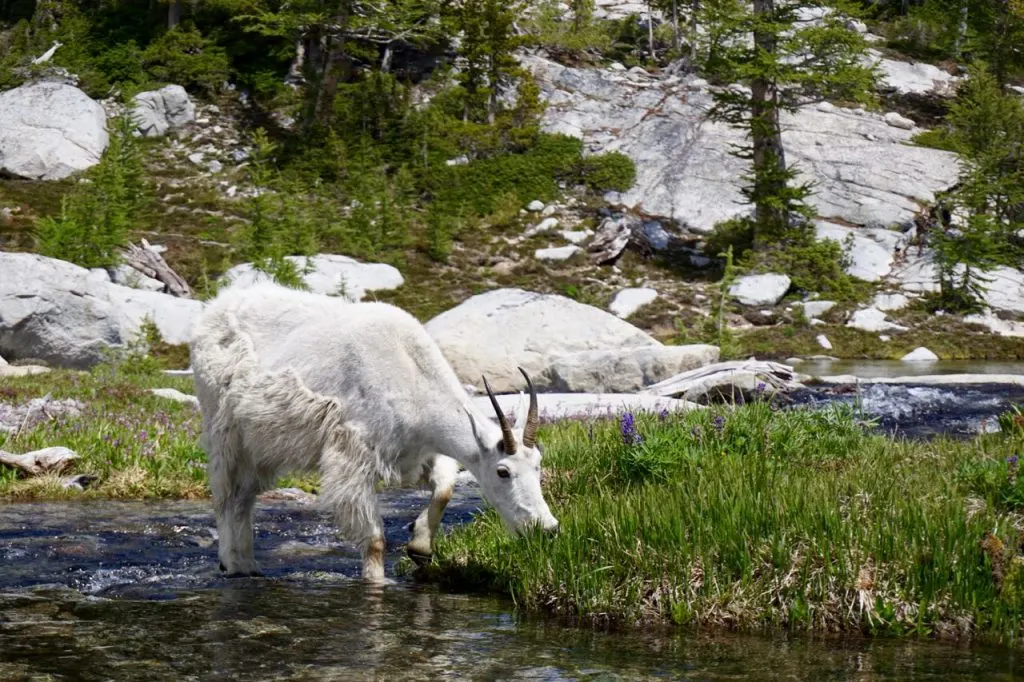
(290, 381)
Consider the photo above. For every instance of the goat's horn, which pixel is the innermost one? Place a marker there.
(506, 431)
(530, 430)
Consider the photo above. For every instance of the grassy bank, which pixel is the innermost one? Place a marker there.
(760, 519)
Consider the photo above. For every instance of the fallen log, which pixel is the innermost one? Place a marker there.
(725, 380)
(45, 461)
(146, 260)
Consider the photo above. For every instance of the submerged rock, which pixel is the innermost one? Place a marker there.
(920, 354)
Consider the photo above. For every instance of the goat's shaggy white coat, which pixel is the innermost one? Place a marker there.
(292, 381)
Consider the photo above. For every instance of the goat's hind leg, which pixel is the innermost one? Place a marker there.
(443, 474)
(234, 485)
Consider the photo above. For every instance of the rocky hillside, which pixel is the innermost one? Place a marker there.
(641, 253)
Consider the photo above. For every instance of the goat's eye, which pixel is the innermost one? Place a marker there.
(503, 472)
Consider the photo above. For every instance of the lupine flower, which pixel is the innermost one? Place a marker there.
(760, 387)
(628, 428)
(719, 423)
(663, 415)
(1012, 460)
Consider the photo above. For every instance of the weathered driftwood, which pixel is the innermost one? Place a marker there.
(45, 461)
(611, 240)
(727, 379)
(146, 260)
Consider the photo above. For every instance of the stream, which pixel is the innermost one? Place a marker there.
(131, 591)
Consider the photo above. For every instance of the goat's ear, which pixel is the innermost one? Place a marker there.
(484, 447)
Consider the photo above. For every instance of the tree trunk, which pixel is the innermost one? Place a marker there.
(385, 62)
(961, 31)
(650, 27)
(333, 64)
(766, 134)
(676, 40)
(694, 9)
(174, 10)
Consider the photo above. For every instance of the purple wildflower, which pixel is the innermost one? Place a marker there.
(760, 387)
(1012, 460)
(628, 428)
(663, 415)
(719, 423)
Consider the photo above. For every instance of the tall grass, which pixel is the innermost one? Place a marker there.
(759, 518)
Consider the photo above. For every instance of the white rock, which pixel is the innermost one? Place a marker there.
(889, 302)
(920, 354)
(576, 237)
(818, 308)
(824, 342)
(196, 158)
(1004, 289)
(760, 290)
(215, 166)
(541, 227)
(330, 274)
(172, 316)
(628, 301)
(622, 370)
(495, 332)
(870, 251)
(13, 371)
(872, 320)
(175, 395)
(897, 121)
(884, 338)
(918, 274)
(128, 276)
(697, 183)
(157, 111)
(535, 206)
(918, 78)
(996, 325)
(557, 253)
(48, 131)
(549, 210)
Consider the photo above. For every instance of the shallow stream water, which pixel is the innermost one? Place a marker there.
(117, 591)
(131, 591)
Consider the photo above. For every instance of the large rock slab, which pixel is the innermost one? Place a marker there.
(625, 370)
(330, 274)
(870, 250)
(67, 316)
(157, 111)
(48, 131)
(495, 332)
(865, 170)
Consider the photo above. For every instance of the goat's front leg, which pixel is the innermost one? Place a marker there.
(349, 490)
(443, 474)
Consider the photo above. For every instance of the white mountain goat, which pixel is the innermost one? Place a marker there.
(292, 381)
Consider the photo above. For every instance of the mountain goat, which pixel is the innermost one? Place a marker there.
(293, 381)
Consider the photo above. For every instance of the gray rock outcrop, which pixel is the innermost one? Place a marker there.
(865, 171)
(760, 290)
(48, 131)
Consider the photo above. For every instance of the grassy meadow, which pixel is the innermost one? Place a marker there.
(757, 519)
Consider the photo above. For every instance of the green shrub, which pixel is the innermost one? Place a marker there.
(936, 138)
(98, 214)
(608, 171)
(183, 56)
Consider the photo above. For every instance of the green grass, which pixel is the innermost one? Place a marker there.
(758, 519)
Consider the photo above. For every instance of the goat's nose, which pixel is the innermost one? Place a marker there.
(552, 528)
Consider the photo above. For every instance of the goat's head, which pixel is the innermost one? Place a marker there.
(508, 469)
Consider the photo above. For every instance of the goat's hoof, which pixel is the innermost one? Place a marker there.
(239, 574)
(419, 558)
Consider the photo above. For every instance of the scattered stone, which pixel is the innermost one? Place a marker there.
(175, 395)
(577, 237)
(541, 227)
(157, 111)
(45, 461)
(49, 131)
(884, 338)
(920, 354)
(196, 158)
(890, 302)
(549, 210)
(328, 274)
(817, 308)
(824, 342)
(215, 166)
(504, 268)
(760, 290)
(994, 324)
(872, 320)
(78, 482)
(494, 332)
(557, 253)
(628, 301)
(898, 121)
(536, 206)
